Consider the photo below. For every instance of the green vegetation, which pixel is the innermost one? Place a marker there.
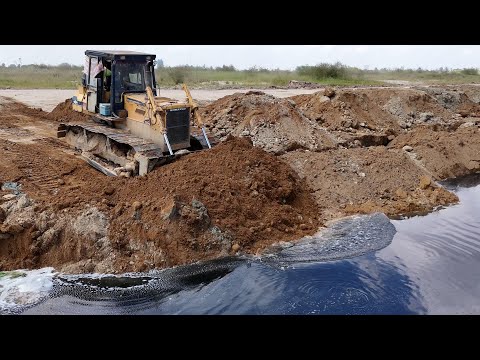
(438, 76)
(63, 76)
(67, 76)
(336, 74)
(325, 71)
(12, 274)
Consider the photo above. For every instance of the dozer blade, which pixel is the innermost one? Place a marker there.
(200, 136)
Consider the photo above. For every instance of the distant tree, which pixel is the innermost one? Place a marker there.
(226, 68)
(12, 66)
(469, 71)
(160, 64)
(3, 65)
(324, 71)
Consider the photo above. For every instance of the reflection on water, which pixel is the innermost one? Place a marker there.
(441, 252)
(429, 268)
(340, 287)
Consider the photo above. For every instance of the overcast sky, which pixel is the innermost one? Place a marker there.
(268, 56)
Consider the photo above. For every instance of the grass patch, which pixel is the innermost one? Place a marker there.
(438, 76)
(12, 274)
(66, 76)
(41, 76)
(325, 71)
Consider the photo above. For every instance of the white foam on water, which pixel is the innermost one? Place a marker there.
(20, 289)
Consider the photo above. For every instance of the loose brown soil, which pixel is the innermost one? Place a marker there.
(443, 154)
(315, 157)
(63, 113)
(365, 167)
(350, 181)
(232, 198)
(273, 124)
(350, 116)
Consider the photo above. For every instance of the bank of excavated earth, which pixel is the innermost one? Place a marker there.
(233, 198)
(363, 150)
(291, 165)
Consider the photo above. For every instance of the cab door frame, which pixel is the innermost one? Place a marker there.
(93, 85)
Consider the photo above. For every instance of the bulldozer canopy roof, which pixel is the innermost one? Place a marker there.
(116, 54)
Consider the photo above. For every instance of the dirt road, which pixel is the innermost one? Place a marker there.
(47, 99)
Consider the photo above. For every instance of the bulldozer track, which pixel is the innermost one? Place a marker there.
(140, 145)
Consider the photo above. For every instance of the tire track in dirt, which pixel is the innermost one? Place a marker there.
(27, 158)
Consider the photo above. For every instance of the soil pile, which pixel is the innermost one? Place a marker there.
(432, 106)
(366, 117)
(456, 100)
(443, 153)
(349, 181)
(63, 112)
(232, 198)
(472, 91)
(413, 107)
(10, 109)
(350, 116)
(273, 124)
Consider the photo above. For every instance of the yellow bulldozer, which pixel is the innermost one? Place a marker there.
(130, 130)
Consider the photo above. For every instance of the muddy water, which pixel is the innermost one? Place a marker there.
(424, 264)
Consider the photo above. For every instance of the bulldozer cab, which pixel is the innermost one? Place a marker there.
(108, 75)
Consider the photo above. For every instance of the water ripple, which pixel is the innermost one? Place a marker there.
(346, 238)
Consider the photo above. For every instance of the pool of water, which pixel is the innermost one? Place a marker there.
(364, 265)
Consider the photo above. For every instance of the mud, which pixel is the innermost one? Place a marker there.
(293, 164)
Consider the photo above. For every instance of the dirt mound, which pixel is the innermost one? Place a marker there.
(443, 154)
(413, 107)
(63, 112)
(472, 91)
(455, 100)
(366, 117)
(349, 181)
(273, 124)
(350, 115)
(232, 198)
